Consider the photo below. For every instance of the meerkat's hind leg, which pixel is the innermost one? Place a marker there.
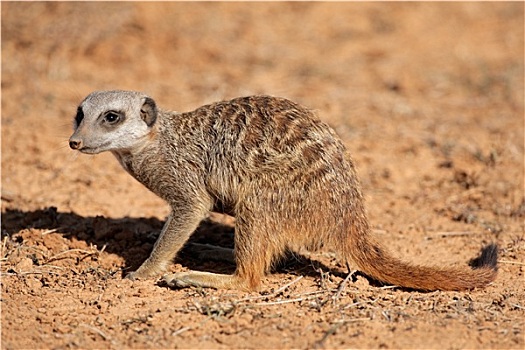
(247, 276)
(204, 280)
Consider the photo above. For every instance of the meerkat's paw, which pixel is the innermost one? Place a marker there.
(178, 280)
(146, 270)
(202, 279)
(134, 276)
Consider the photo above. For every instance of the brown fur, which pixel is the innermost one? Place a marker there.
(279, 170)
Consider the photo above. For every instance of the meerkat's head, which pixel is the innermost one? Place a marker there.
(112, 121)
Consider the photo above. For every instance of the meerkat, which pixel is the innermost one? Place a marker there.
(269, 162)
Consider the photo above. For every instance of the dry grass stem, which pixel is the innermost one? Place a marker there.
(280, 302)
(287, 301)
(278, 291)
(342, 286)
(4, 253)
(99, 332)
(452, 233)
(316, 292)
(511, 262)
(271, 295)
(389, 287)
(58, 256)
(179, 331)
(56, 267)
(333, 329)
(34, 272)
(359, 303)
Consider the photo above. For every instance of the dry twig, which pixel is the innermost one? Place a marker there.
(271, 295)
(342, 286)
(46, 232)
(278, 291)
(179, 331)
(511, 262)
(99, 332)
(451, 234)
(58, 256)
(4, 245)
(320, 343)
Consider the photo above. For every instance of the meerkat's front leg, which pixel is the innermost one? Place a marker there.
(176, 231)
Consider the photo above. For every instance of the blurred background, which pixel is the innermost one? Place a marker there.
(406, 85)
(335, 56)
(427, 96)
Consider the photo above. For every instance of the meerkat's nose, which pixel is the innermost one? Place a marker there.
(75, 144)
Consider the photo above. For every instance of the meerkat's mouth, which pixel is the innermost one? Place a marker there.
(89, 150)
(94, 150)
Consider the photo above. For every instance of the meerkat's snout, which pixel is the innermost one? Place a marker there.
(74, 144)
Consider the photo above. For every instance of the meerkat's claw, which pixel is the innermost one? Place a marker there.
(146, 270)
(204, 280)
(130, 276)
(174, 282)
(135, 276)
(180, 280)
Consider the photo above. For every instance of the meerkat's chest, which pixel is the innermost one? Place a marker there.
(136, 168)
(126, 161)
(149, 171)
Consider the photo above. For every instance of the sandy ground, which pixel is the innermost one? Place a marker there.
(428, 97)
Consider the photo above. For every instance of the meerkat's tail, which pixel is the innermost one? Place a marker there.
(373, 260)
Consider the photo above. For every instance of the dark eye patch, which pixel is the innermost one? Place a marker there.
(79, 116)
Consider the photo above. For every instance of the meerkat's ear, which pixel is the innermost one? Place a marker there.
(148, 111)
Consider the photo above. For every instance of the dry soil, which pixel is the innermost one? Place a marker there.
(428, 97)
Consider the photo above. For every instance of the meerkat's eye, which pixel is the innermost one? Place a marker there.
(111, 117)
(79, 116)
